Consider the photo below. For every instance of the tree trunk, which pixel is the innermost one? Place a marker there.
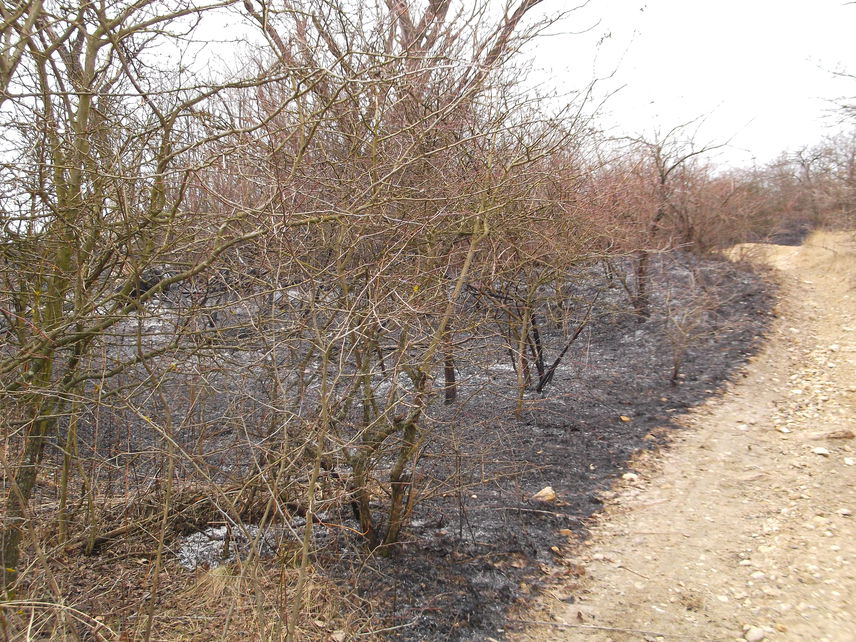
(450, 387)
(18, 501)
(642, 300)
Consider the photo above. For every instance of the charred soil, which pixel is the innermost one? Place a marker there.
(478, 544)
(481, 543)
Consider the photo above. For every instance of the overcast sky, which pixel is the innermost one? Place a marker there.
(759, 72)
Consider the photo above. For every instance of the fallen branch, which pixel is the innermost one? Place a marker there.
(541, 512)
(548, 375)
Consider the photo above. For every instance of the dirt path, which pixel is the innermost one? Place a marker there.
(745, 528)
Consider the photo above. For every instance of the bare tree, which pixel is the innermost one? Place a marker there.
(260, 285)
(105, 147)
(407, 92)
(665, 166)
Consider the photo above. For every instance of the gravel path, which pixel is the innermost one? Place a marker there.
(745, 527)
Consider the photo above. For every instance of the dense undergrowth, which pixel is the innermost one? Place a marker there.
(338, 308)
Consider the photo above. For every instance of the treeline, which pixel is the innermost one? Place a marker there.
(251, 290)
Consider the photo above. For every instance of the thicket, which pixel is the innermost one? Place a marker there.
(235, 298)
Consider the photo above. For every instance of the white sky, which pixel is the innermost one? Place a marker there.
(759, 72)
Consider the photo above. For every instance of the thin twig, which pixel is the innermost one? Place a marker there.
(540, 512)
(644, 577)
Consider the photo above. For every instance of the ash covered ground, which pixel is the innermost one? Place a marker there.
(480, 542)
(477, 542)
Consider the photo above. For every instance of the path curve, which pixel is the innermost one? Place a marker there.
(745, 527)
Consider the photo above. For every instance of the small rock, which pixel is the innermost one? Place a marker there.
(625, 419)
(841, 434)
(632, 477)
(834, 434)
(844, 512)
(849, 461)
(338, 636)
(754, 634)
(546, 494)
(823, 452)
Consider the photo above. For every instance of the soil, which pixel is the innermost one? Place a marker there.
(481, 543)
(744, 527)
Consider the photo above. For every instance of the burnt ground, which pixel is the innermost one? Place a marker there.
(478, 543)
(481, 542)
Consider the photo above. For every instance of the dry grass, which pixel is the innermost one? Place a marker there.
(248, 602)
(65, 594)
